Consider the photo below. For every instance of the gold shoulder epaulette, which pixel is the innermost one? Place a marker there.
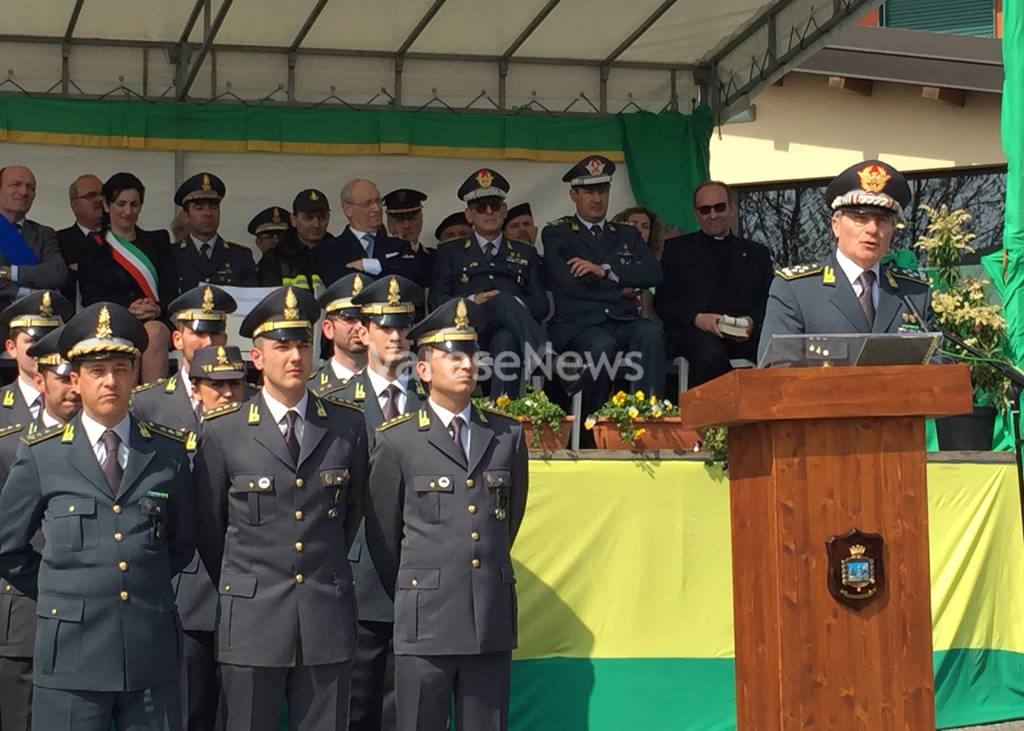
(564, 220)
(232, 243)
(221, 410)
(520, 241)
(494, 411)
(342, 402)
(799, 270)
(12, 429)
(147, 386)
(178, 435)
(457, 239)
(324, 389)
(42, 436)
(397, 420)
(914, 275)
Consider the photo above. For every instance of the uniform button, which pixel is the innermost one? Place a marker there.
(476, 563)
(7, 587)
(54, 611)
(227, 587)
(414, 582)
(298, 515)
(71, 508)
(298, 546)
(469, 482)
(118, 536)
(123, 565)
(433, 485)
(472, 509)
(475, 536)
(252, 485)
(299, 482)
(124, 596)
(117, 510)
(299, 578)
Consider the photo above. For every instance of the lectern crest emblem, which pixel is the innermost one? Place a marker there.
(856, 571)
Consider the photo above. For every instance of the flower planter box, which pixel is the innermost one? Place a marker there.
(663, 433)
(549, 441)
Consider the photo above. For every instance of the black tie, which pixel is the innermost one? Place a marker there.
(455, 430)
(493, 250)
(595, 231)
(205, 251)
(390, 410)
(110, 466)
(866, 279)
(290, 437)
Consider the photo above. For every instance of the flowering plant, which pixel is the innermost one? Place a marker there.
(534, 407)
(624, 409)
(961, 306)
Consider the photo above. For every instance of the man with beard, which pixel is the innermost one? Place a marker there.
(344, 328)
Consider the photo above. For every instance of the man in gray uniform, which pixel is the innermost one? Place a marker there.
(280, 483)
(343, 328)
(17, 611)
(850, 292)
(113, 496)
(447, 495)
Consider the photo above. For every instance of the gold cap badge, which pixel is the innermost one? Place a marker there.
(103, 329)
(394, 294)
(207, 300)
(873, 178)
(277, 215)
(484, 178)
(45, 305)
(291, 306)
(206, 183)
(595, 167)
(313, 196)
(357, 284)
(461, 315)
(222, 356)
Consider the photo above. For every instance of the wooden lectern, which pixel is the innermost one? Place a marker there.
(814, 452)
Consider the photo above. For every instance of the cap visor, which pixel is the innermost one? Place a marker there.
(394, 319)
(204, 326)
(289, 333)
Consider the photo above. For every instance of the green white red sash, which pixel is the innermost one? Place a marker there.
(129, 256)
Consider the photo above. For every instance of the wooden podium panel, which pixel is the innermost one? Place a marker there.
(814, 453)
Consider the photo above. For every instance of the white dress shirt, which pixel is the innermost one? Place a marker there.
(379, 384)
(32, 397)
(446, 417)
(199, 244)
(94, 430)
(852, 270)
(342, 372)
(370, 265)
(280, 413)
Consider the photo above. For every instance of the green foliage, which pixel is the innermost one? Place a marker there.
(624, 409)
(534, 407)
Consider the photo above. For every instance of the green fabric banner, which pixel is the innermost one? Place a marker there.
(668, 156)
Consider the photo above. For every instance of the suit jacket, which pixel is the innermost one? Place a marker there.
(105, 609)
(275, 535)
(73, 246)
(13, 409)
(49, 273)
(820, 299)
(589, 300)
(396, 256)
(462, 269)
(229, 264)
(690, 279)
(440, 528)
(101, 279)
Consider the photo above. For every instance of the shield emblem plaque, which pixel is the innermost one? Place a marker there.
(856, 570)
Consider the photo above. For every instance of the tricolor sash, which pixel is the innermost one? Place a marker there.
(136, 263)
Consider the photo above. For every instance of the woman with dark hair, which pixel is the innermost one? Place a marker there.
(133, 268)
(647, 223)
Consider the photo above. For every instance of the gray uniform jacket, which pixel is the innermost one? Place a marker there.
(229, 264)
(105, 608)
(49, 273)
(819, 299)
(274, 536)
(440, 529)
(582, 302)
(13, 409)
(165, 401)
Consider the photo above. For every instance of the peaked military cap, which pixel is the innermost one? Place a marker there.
(103, 330)
(203, 309)
(47, 353)
(404, 202)
(591, 170)
(287, 313)
(390, 301)
(455, 219)
(274, 218)
(310, 200)
(337, 299)
(523, 209)
(869, 187)
(452, 327)
(218, 363)
(484, 183)
(36, 314)
(200, 187)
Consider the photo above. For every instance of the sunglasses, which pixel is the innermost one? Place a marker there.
(717, 208)
(486, 207)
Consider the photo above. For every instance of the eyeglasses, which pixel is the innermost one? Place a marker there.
(94, 195)
(717, 208)
(366, 204)
(486, 207)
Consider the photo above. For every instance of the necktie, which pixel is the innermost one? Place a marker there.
(368, 245)
(595, 231)
(291, 439)
(455, 430)
(36, 406)
(390, 409)
(110, 466)
(866, 279)
(205, 251)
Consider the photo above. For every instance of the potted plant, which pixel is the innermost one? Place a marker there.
(636, 421)
(961, 307)
(545, 423)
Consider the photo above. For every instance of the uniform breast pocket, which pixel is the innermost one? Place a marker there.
(431, 493)
(335, 481)
(499, 483)
(253, 496)
(70, 523)
(58, 633)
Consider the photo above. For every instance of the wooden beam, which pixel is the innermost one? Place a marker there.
(953, 97)
(860, 87)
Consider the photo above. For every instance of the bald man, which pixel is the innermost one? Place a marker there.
(86, 196)
(17, 193)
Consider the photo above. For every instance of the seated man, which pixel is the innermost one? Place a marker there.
(519, 225)
(849, 292)
(593, 268)
(293, 261)
(707, 275)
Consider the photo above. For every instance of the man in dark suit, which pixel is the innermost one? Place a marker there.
(448, 489)
(501, 275)
(21, 324)
(707, 275)
(17, 193)
(86, 195)
(17, 611)
(850, 292)
(113, 496)
(594, 268)
(280, 483)
(364, 246)
(203, 256)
